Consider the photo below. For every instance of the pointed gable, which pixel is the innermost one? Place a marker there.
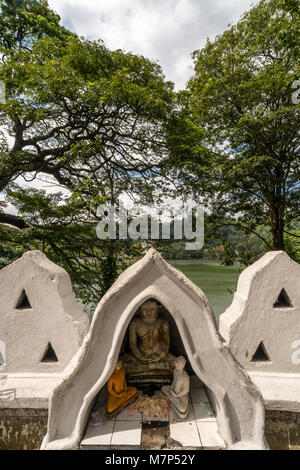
(37, 303)
(240, 412)
(266, 307)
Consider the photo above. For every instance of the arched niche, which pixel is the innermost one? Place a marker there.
(238, 403)
(176, 344)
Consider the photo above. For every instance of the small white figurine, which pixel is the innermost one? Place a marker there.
(177, 394)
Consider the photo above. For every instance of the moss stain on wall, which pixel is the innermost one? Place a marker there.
(22, 429)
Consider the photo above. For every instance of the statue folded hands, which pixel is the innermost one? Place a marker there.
(149, 342)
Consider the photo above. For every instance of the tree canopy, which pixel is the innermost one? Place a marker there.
(83, 125)
(92, 122)
(241, 98)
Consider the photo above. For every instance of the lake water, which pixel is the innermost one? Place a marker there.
(217, 282)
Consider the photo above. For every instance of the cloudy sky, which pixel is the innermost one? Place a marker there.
(167, 31)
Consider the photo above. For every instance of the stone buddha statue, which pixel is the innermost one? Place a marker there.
(119, 394)
(149, 342)
(178, 393)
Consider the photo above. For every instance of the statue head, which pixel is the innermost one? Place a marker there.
(149, 312)
(180, 363)
(119, 365)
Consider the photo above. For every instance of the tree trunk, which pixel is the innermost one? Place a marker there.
(277, 212)
(277, 224)
(278, 240)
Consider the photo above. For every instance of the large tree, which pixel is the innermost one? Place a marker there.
(89, 120)
(246, 165)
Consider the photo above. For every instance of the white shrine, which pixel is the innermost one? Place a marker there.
(234, 399)
(262, 328)
(41, 328)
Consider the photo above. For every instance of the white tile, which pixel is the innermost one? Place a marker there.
(99, 435)
(185, 431)
(203, 412)
(127, 433)
(209, 434)
(198, 394)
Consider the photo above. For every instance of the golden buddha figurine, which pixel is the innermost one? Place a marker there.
(119, 395)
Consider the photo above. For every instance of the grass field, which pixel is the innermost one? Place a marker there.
(217, 282)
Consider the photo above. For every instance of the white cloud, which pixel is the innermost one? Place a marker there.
(167, 31)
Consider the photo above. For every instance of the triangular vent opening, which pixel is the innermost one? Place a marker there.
(283, 300)
(261, 354)
(23, 302)
(50, 355)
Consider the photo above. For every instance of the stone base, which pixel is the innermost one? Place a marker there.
(159, 378)
(22, 429)
(143, 375)
(134, 366)
(180, 414)
(282, 430)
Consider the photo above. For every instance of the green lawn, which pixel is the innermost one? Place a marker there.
(217, 282)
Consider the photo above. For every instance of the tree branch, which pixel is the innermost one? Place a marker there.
(13, 220)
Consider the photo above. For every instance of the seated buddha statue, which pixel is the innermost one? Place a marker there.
(119, 395)
(178, 393)
(149, 343)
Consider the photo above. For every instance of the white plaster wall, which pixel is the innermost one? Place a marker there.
(54, 318)
(240, 411)
(251, 318)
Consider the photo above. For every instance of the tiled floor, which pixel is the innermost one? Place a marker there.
(199, 430)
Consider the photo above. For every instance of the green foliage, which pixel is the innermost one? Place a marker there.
(241, 98)
(74, 107)
(92, 122)
(97, 123)
(224, 241)
(60, 227)
(292, 240)
(291, 34)
(22, 22)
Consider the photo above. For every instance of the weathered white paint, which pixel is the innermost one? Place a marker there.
(27, 391)
(54, 316)
(252, 319)
(238, 403)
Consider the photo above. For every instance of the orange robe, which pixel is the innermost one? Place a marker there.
(118, 392)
